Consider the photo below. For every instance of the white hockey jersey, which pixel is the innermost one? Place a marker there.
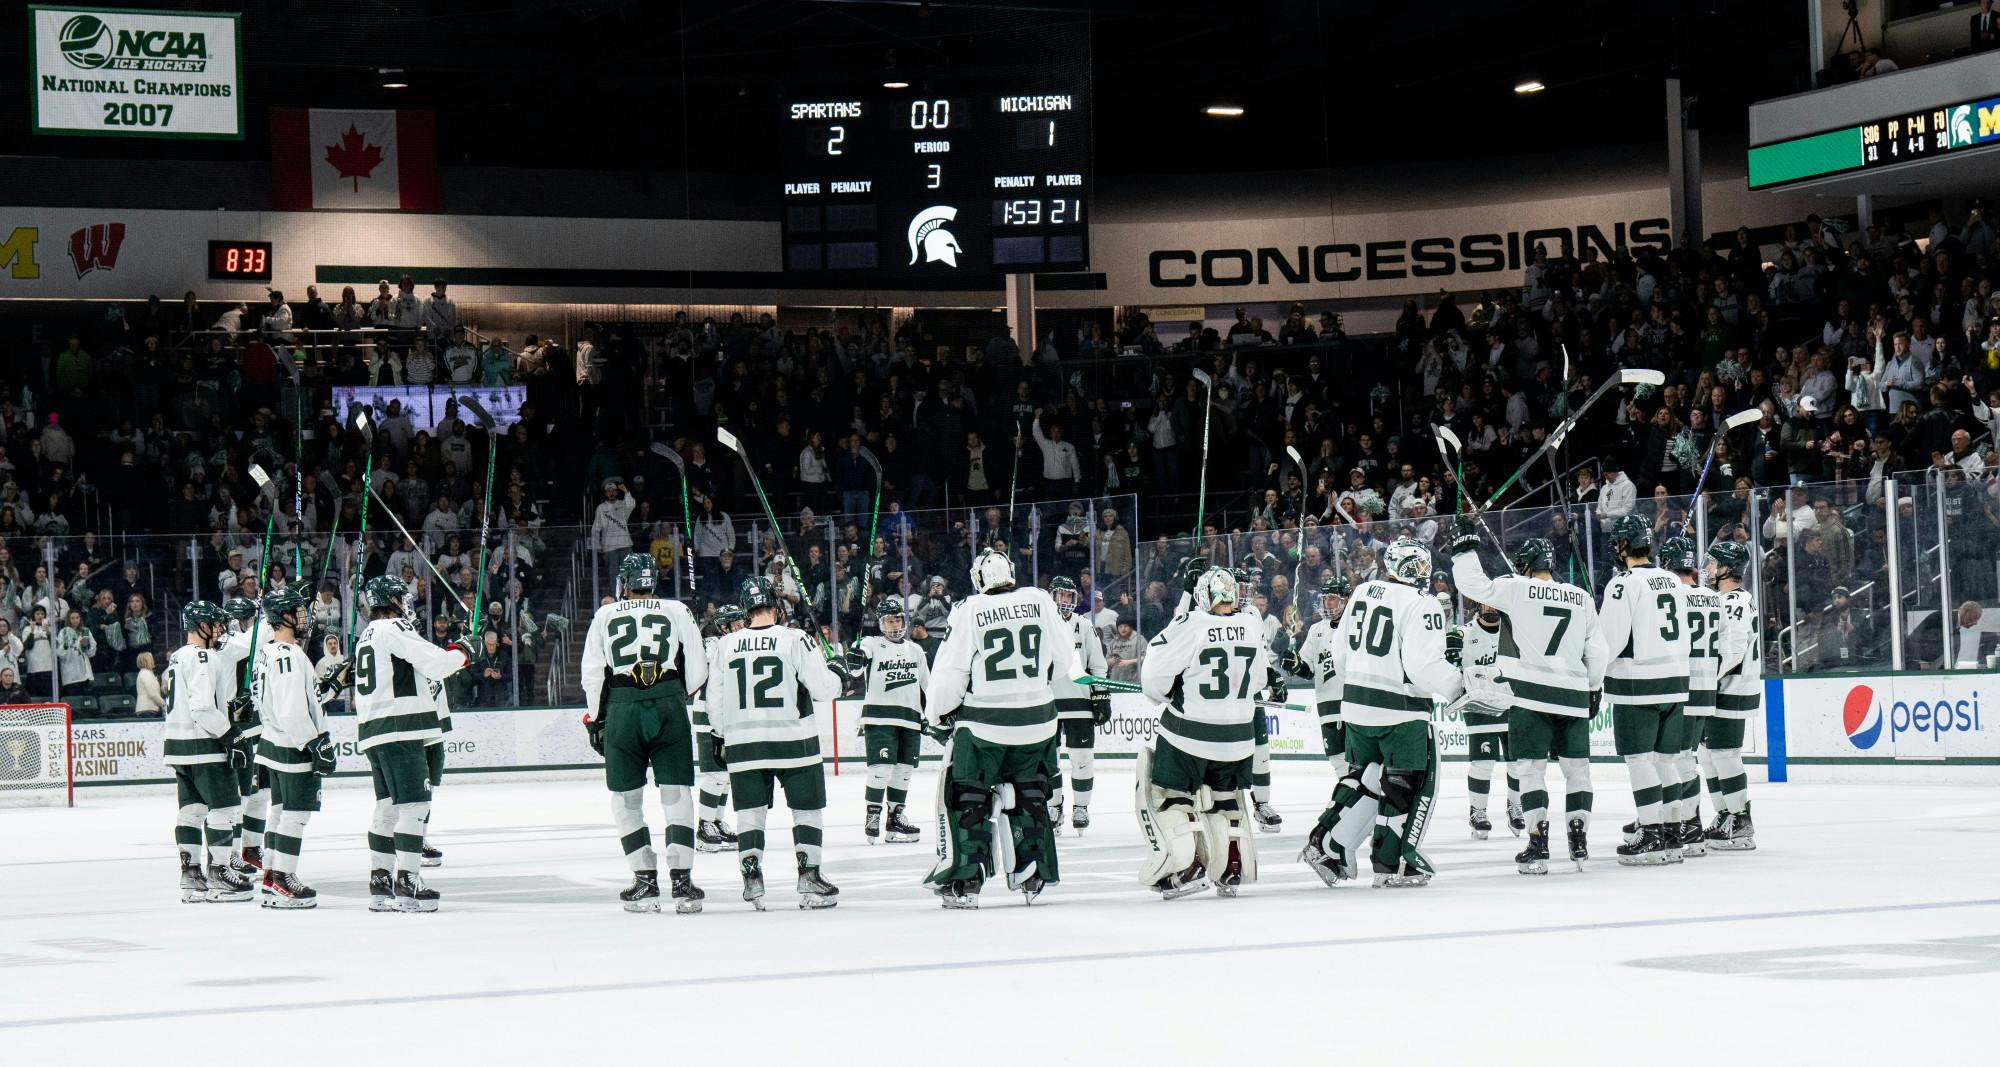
(760, 698)
(1390, 653)
(1552, 647)
(628, 633)
(1316, 652)
(1073, 700)
(897, 673)
(1204, 669)
(995, 668)
(398, 683)
(287, 697)
(1741, 689)
(197, 716)
(1702, 611)
(234, 652)
(1644, 632)
(1479, 662)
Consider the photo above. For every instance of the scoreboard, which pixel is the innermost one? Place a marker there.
(953, 179)
(1908, 137)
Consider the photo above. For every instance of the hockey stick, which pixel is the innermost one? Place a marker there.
(1013, 480)
(1625, 376)
(1298, 565)
(443, 582)
(1734, 422)
(730, 442)
(1201, 493)
(264, 483)
(492, 429)
(291, 365)
(361, 536)
(1117, 686)
(687, 518)
(875, 516)
(1449, 446)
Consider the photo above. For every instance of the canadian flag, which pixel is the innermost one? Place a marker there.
(353, 160)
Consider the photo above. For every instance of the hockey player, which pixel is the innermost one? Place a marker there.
(1268, 820)
(1475, 649)
(711, 834)
(1389, 653)
(892, 717)
(767, 677)
(1702, 613)
(233, 685)
(294, 750)
(990, 682)
(1552, 656)
(1646, 684)
(1080, 709)
(1737, 696)
(440, 695)
(1191, 783)
(1314, 659)
(200, 746)
(639, 662)
(396, 707)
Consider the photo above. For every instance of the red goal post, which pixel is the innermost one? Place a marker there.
(37, 756)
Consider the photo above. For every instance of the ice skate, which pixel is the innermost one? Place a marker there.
(249, 863)
(960, 896)
(871, 827)
(1650, 850)
(433, 857)
(643, 895)
(413, 895)
(815, 892)
(713, 836)
(1056, 816)
(1333, 868)
(381, 890)
(1517, 820)
(1079, 819)
(225, 885)
(284, 890)
(1733, 832)
(1694, 842)
(1231, 878)
(1412, 872)
(1632, 833)
(1579, 843)
(194, 884)
(1268, 819)
(1535, 858)
(900, 830)
(753, 882)
(687, 895)
(1480, 826)
(1185, 884)
(1031, 887)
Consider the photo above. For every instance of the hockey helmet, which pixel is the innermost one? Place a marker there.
(1333, 594)
(1065, 594)
(891, 610)
(728, 617)
(281, 606)
(1535, 554)
(239, 608)
(1677, 554)
(1630, 536)
(198, 614)
(384, 592)
(1248, 578)
(1407, 561)
(1216, 588)
(757, 594)
(637, 573)
(992, 571)
(1730, 558)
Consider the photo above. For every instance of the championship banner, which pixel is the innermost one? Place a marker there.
(326, 160)
(109, 72)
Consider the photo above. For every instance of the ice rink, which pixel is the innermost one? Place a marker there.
(1865, 929)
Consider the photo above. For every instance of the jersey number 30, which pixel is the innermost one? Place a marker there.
(1375, 629)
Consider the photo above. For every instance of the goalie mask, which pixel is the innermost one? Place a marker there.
(1214, 589)
(1065, 594)
(992, 571)
(1407, 561)
(890, 612)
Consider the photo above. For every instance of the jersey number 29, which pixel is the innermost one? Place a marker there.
(998, 647)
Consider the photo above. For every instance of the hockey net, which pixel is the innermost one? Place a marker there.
(35, 756)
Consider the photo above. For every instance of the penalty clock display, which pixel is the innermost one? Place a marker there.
(952, 179)
(239, 261)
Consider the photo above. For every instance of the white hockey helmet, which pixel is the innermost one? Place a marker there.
(1214, 588)
(1407, 561)
(992, 570)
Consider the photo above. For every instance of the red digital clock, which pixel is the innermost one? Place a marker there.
(239, 261)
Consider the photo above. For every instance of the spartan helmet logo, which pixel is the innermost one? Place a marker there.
(1961, 125)
(927, 230)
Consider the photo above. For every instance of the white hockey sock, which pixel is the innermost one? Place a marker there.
(899, 783)
(1732, 781)
(677, 802)
(808, 831)
(628, 814)
(1260, 773)
(410, 820)
(1534, 797)
(220, 826)
(1479, 783)
(714, 790)
(750, 832)
(288, 832)
(382, 836)
(256, 813)
(188, 822)
(1645, 787)
(1690, 806)
(878, 781)
(1670, 784)
(1579, 794)
(1082, 775)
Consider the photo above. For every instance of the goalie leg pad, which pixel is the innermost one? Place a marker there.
(1399, 827)
(1030, 831)
(1173, 833)
(1227, 829)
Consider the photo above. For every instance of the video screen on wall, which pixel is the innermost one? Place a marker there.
(429, 405)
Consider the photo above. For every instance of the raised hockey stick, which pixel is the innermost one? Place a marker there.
(264, 483)
(1450, 448)
(361, 535)
(730, 442)
(492, 429)
(443, 583)
(1298, 565)
(1201, 493)
(1118, 686)
(875, 516)
(1734, 422)
(665, 451)
(291, 366)
(1625, 376)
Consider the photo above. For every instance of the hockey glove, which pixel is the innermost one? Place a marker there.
(1100, 706)
(1192, 569)
(239, 756)
(1277, 690)
(320, 749)
(721, 754)
(595, 729)
(239, 708)
(1454, 646)
(1464, 535)
(462, 649)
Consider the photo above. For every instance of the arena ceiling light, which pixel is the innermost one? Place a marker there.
(392, 77)
(1529, 86)
(895, 85)
(1223, 111)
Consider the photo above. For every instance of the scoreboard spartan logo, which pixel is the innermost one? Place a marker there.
(928, 235)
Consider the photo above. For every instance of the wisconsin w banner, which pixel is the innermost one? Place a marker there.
(353, 160)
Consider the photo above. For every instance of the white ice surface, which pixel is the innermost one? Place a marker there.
(1865, 930)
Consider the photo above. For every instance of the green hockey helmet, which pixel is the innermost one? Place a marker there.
(200, 613)
(1630, 536)
(728, 617)
(1535, 554)
(239, 608)
(1065, 594)
(1333, 594)
(384, 591)
(1731, 558)
(891, 610)
(281, 605)
(757, 593)
(637, 573)
(1677, 554)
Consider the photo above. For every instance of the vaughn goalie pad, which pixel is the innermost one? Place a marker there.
(950, 845)
(1175, 836)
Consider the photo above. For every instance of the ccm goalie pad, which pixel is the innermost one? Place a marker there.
(1193, 839)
